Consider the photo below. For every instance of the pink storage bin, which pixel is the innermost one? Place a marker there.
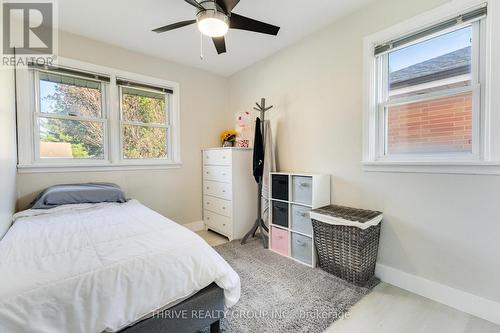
(279, 240)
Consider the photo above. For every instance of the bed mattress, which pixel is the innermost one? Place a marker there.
(101, 267)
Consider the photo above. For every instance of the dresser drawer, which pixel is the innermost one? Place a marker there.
(301, 221)
(219, 206)
(218, 222)
(216, 189)
(217, 157)
(217, 173)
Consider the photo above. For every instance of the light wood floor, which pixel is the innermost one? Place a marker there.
(212, 238)
(388, 309)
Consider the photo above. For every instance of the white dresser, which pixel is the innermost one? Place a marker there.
(229, 191)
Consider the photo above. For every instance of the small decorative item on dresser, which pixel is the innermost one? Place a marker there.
(347, 242)
(228, 138)
(245, 129)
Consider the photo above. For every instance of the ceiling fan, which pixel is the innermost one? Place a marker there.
(214, 18)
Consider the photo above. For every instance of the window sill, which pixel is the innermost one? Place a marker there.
(461, 168)
(95, 167)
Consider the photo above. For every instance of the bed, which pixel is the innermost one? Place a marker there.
(109, 267)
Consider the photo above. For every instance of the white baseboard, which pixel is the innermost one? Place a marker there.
(195, 226)
(458, 299)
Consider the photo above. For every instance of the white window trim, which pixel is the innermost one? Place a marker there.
(488, 159)
(26, 106)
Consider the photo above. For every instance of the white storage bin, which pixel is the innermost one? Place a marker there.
(302, 190)
(302, 248)
(301, 221)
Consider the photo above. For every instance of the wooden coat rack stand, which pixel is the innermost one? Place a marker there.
(259, 222)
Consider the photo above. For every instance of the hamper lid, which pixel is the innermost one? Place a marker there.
(347, 216)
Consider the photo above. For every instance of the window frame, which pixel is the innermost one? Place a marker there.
(384, 101)
(37, 114)
(167, 126)
(27, 86)
(374, 119)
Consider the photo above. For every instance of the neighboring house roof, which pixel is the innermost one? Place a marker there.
(442, 67)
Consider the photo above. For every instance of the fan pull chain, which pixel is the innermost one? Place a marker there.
(201, 46)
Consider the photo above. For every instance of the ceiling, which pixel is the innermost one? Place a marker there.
(128, 24)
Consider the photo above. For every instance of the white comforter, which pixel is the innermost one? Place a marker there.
(93, 268)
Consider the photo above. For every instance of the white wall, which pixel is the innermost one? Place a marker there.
(8, 154)
(175, 193)
(444, 228)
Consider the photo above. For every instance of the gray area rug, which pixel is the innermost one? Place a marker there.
(281, 295)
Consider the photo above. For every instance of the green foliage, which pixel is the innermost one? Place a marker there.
(87, 137)
(79, 151)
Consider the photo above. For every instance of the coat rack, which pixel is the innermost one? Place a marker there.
(259, 222)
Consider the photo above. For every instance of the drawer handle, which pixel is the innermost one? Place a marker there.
(208, 172)
(280, 237)
(223, 173)
(224, 224)
(208, 203)
(303, 184)
(224, 208)
(223, 191)
(208, 187)
(300, 243)
(302, 214)
(208, 218)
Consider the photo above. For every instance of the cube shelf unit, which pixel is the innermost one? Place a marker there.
(292, 196)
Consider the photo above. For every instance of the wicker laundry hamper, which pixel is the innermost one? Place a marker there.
(346, 241)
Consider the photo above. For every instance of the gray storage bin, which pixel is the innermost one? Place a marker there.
(302, 190)
(280, 213)
(301, 221)
(302, 248)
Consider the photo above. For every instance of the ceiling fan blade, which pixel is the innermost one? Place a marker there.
(220, 44)
(174, 26)
(246, 23)
(194, 3)
(227, 5)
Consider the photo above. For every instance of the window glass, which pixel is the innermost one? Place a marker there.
(419, 123)
(142, 142)
(63, 138)
(441, 125)
(145, 123)
(64, 100)
(67, 95)
(439, 63)
(143, 106)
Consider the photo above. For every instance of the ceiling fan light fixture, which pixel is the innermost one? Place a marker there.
(212, 23)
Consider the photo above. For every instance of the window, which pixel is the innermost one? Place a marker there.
(427, 93)
(69, 116)
(78, 116)
(144, 121)
(427, 104)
